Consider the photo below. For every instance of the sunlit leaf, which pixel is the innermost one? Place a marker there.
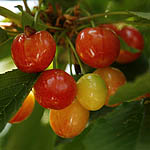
(15, 86)
(145, 15)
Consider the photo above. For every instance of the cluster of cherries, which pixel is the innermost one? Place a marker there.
(69, 101)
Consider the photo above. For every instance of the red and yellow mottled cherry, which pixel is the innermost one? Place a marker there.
(114, 78)
(33, 53)
(70, 121)
(97, 47)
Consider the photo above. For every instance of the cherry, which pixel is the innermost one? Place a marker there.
(135, 40)
(25, 110)
(55, 89)
(114, 78)
(70, 121)
(147, 95)
(33, 53)
(91, 91)
(111, 27)
(97, 47)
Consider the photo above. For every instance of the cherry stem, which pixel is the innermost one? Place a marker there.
(103, 14)
(70, 59)
(26, 7)
(37, 13)
(36, 17)
(50, 27)
(75, 53)
(40, 3)
(88, 14)
(29, 31)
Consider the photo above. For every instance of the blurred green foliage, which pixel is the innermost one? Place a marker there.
(121, 128)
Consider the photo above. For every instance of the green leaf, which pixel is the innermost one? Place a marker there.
(132, 90)
(27, 19)
(125, 128)
(145, 32)
(144, 15)
(15, 86)
(31, 134)
(3, 35)
(126, 47)
(95, 6)
(5, 48)
(117, 131)
(143, 139)
(16, 18)
(64, 4)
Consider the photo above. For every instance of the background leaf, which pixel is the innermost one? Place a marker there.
(122, 128)
(28, 20)
(141, 14)
(18, 84)
(42, 136)
(3, 36)
(10, 15)
(64, 4)
(143, 139)
(118, 130)
(5, 48)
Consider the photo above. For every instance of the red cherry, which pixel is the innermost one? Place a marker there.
(114, 79)
(111, 27)
(134, 39)
(55, 89)
(147, 95)
(33, 53)
(97, 47)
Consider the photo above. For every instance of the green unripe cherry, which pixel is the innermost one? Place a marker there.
(91, 91)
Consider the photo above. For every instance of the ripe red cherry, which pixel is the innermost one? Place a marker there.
(55, 89)
(33, 53)
(134, 39)
(97, 47)
(111, 27)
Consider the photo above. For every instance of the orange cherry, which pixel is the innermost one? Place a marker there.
(70, 121)
(25, 110)
(114, 78)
